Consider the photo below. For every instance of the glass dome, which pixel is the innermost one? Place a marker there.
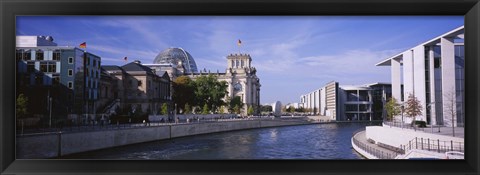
(176, 56)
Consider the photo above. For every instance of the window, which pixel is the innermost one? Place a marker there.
(56, 55)
(70, 85)
(94, 63)
(39, 55)
(242, 63)
(139, 83)
(70, 60)
(237, 64)
(52, 67)
(19, 54)
(70, 72)
(437, 63)
(43, 67)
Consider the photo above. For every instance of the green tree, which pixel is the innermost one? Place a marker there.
(250, 110)
(208, 90)
(205, 109)
(164, 109)
(222, 109)
(291, 109)
(236, 109)
(266, 108)
(21, 108)
(413, 108)
(392, 108)
(236, 101)
(187, 109)
(183, 91)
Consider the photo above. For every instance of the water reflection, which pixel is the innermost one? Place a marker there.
(321, 141)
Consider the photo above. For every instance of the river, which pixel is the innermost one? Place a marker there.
(316, 141)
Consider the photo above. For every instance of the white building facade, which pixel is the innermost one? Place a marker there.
(347, 102)
(434, 73)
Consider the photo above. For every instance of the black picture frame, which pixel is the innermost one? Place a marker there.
(9, 9)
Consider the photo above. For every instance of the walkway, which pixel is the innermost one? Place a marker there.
(446, 131)
(373, 148)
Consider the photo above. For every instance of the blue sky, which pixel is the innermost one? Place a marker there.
(293, 55)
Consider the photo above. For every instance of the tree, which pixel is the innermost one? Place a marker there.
(205, 109)
(235, 102)
(393, 108)
(291, 109)
(450, 107)
(187, 109)
(183, 91)
(413, 108)
(250, 110)
(222, 109)
(22, 102)
(300, 109)
(208, 90)
(266, 108)
(236, 109)
(164, 109)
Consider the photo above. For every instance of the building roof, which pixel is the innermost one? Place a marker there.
(176, 56)
(111, 68)
(454, 32)
(378, 83)
(136, 66)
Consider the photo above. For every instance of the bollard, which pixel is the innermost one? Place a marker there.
(422, 143)
(451, 145)
(438, 146)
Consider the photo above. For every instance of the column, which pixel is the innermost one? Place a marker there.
(396, 81)
(448, 76)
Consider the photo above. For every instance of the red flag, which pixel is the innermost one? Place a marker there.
(125, 59)
(83, 45)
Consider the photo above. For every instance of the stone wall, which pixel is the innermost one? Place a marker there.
(52, 145)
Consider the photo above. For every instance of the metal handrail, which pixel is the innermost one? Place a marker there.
(380, 154)
(433, 145)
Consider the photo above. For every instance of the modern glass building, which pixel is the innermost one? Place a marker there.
(434, 73)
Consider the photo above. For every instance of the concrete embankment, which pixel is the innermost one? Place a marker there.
(59, 144)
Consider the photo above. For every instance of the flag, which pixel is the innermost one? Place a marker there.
(239, 42)
(125, 59)
(83, 45)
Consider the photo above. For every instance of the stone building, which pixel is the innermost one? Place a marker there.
(240, 74)
(139, 86)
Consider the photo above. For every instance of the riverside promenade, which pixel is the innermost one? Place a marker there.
(56, 144)
(394, 142)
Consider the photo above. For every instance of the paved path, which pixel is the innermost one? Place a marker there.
(363, 139)
(446, 131)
